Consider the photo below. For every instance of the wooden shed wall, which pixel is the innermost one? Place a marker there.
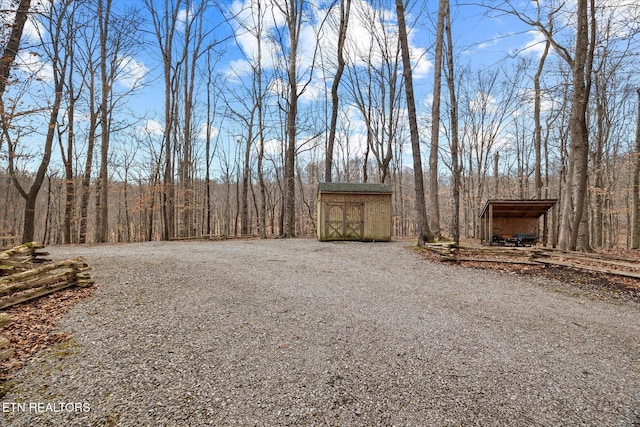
(376, 213)
(509, 227)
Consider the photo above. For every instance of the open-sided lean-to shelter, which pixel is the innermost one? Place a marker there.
(517, 221)
(350, 211)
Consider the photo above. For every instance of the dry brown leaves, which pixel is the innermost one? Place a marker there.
(595, 284)
(33, 324)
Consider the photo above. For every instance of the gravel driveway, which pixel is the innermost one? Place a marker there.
(299, 332)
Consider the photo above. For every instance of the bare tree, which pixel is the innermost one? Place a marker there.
(212, 100)
(165, 23)
(375, 85)
(104, 18)
(55, 24)
(294, 13)
(536, 117)
(345, 10)
(453, 115)
(488, 99)
(424, 234)
(435, 120)
(635, 212)
(10, 50)
(195, 35)
(67, 152)
(91, 62)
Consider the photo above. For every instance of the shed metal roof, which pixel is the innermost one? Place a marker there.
(350, 187)
(518, 208)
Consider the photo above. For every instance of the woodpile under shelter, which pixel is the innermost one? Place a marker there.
(517, 222)
(351, 211)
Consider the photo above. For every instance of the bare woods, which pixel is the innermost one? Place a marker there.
(149, 120)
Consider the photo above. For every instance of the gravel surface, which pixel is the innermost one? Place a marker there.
(299, 332)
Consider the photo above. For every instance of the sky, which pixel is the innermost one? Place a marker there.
(482, 39)
(479, 39)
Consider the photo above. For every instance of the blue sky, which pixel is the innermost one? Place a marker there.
(482, 40)
(479, 39)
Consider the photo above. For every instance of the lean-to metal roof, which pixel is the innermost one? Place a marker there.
(507, 208)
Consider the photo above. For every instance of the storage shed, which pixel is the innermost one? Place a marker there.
(516, 222)
(349, 211)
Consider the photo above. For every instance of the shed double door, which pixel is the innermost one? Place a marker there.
(344, 220)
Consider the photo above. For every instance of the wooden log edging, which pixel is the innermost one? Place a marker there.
(25, 275)
(21, 258)
(5, 351)
(34, 279)
(540, 256)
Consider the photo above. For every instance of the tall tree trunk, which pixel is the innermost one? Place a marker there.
(598, 167)
(85, 190)
(435, 121)
(537, 121)
(193, 39)
(208, 150)
(455, 163)
(262, 213)
(67, 154)
(59, 73)
(104, 14)
(294, 19)
(424, 234)
(165, 24)
(246, 177)
(573, 203)
(342, 35)
(635, 212)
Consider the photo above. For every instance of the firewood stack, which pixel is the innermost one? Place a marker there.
(25, 275)
(22, 258)
(5, 351)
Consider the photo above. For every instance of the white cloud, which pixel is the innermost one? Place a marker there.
(372, 36)
(278, 87)
(535, 44)
(202, 134)
(422, 66)
(32, 64)
(151, 128)
(312, 92)
(238, 68)
(272, 148)
(32, 30)
(253, 19)
(483, 102)
(371, 32)
(183, 16)
(131, 72)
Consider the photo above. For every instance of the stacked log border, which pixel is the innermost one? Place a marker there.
(25, 274)
(5, 351)
(539, 256)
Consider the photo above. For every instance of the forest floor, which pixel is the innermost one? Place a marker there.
(294, 332)
(601, 285)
